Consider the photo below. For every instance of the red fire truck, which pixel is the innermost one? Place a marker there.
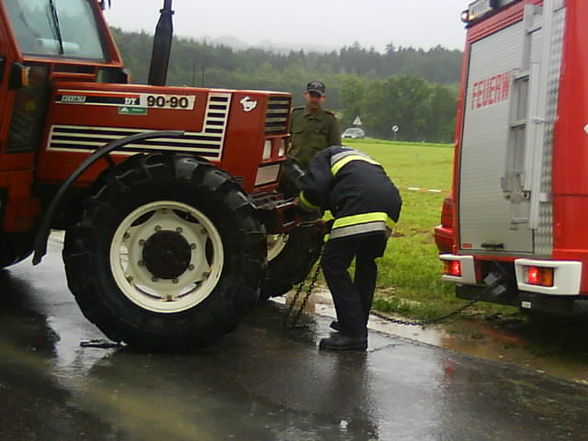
(513, 229)
(168, 195)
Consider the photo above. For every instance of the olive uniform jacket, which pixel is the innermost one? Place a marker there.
(311, 133)
(356, 189)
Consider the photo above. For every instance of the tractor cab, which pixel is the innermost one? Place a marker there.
(43, 42)
(49, 29)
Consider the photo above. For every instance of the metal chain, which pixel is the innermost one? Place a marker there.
(424, 322)
(293, 324)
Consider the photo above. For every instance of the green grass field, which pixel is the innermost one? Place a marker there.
(409, 278)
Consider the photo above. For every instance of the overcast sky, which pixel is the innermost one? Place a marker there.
(334, 23)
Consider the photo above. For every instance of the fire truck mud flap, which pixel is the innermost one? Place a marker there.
(167, 255)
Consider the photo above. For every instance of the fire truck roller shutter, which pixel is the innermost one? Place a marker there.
(167, 254)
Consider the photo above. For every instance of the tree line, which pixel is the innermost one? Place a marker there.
(414, 89)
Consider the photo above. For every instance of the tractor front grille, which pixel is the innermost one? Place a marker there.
(278, 114)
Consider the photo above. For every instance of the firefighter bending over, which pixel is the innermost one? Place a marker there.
(365, 204)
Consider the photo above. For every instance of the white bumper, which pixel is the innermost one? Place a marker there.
(468, 269)
(567, 276)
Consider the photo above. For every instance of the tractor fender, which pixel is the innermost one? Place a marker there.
(45, 227)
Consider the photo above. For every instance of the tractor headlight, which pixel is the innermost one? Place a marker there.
(267, 150)
(283, 148)
(267, 174)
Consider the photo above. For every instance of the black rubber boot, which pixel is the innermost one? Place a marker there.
(340, 342)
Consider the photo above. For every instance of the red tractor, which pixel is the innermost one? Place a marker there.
(168, 195)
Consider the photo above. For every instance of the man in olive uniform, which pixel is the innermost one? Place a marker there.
(313, 128)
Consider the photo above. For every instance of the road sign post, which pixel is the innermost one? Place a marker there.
(395, 130)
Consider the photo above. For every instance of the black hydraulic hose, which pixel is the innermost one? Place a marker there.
(45, 226)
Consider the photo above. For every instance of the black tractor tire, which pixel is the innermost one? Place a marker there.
(199, 197)
(15, 247)
(293, 264)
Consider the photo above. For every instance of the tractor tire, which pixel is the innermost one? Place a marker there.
(15, 247)
(290, 259)
(167, 254)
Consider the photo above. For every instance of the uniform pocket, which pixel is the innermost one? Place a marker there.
(319, 137)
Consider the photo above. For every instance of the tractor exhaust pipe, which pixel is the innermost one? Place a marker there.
(162, 42)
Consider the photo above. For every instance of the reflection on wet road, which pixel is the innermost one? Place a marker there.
(262, 382)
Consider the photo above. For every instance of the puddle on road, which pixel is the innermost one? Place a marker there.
(546, 344)
(551, 345)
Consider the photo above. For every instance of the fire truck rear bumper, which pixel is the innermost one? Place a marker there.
(562, 297)
(567, 275)
(528, 301)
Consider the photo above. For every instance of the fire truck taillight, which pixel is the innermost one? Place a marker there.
(536, 275)
(452, 268)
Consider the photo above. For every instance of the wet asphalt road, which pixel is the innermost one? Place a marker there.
(262, 382)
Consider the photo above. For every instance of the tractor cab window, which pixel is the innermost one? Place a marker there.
(61, 28)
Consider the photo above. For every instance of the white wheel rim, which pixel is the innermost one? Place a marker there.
(203, 247)
(275, 245)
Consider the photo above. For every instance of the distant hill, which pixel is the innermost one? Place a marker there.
(228, 62)
(278, 47)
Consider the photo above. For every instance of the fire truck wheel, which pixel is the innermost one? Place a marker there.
(291, 257)
(15, 247)
(167, 254)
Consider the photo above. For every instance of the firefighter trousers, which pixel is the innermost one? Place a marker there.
(352, 298)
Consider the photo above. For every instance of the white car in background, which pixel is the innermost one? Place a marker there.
(353, 133)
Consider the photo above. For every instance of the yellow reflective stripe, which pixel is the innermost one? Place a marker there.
(390, 223)
(363, 219)
(306, 203)
(347, 159)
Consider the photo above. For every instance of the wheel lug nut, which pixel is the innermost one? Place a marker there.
(157, 228)
(191, 267)
(141, 242)
(206, 274)
(154, 279)
(179, 230)
(175, 281)
(140, 263)
(193, 246)
(126, 235)
(203, 230)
